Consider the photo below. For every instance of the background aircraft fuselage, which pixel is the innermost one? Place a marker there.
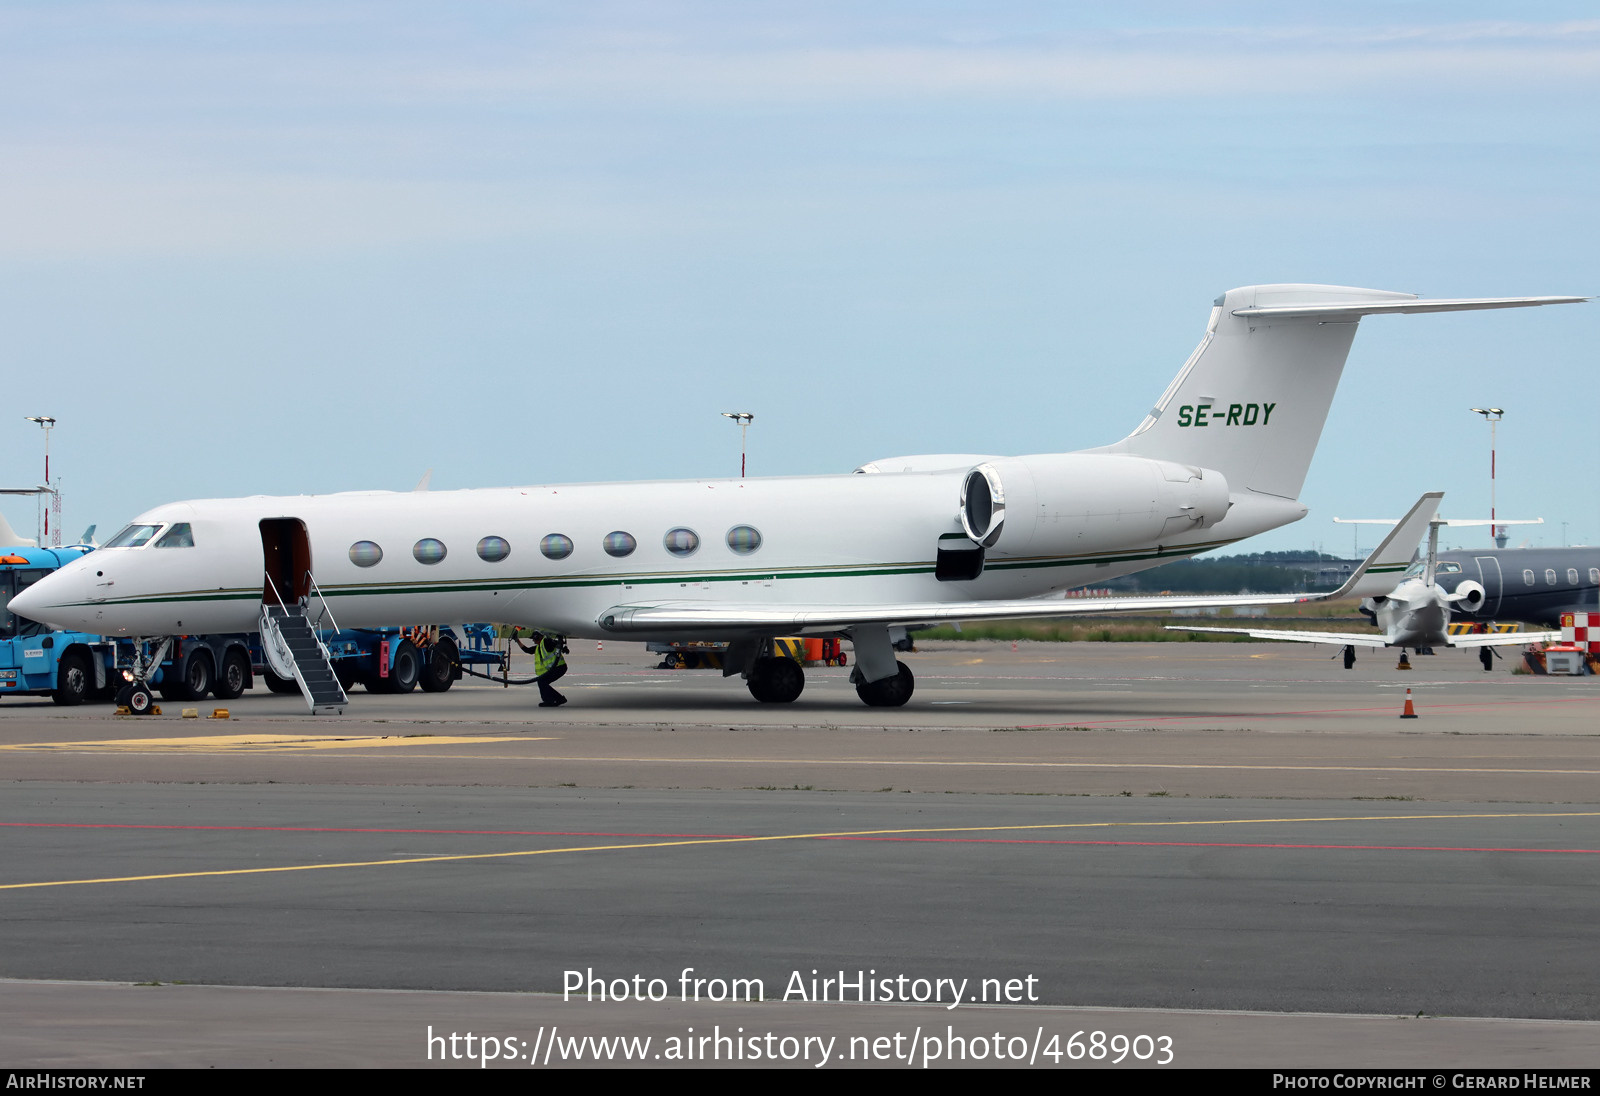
(1536, 585)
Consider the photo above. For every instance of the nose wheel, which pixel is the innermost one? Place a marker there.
(137, 698)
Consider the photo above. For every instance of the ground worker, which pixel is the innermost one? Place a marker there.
(549, 665)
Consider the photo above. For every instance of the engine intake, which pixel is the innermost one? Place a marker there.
(983, 505)
(1469, 597)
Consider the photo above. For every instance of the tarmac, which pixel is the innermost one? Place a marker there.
(1210, 854)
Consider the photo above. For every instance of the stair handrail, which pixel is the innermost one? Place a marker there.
(274, 587)
(326, 608)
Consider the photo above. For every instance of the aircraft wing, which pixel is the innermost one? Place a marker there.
(729, 619)
(1502, 639)
(1343, 639)
(1358, 639)
(765, 618)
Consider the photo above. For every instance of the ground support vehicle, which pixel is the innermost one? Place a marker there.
(708, 656)
(72, 667)
(398, 660)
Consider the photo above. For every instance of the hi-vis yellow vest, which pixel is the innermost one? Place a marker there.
(546, 656)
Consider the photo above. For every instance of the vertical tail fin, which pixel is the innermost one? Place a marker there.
(1252, 399)
(9, 538)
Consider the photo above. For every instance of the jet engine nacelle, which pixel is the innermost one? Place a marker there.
(1469, 597)
(1077, 503)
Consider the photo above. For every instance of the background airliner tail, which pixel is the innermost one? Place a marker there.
(9, 537)
(1252, 399)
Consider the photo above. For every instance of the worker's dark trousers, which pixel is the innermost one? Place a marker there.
(547, 694)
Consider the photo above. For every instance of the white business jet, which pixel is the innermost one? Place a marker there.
(911, 540)
(1415, 613)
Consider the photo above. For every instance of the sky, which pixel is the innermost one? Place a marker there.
(293, 247)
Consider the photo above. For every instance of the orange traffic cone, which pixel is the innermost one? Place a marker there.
(1410, 710)
(1013, 645)
(599, 645)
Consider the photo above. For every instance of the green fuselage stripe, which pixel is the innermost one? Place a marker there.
(654, 578)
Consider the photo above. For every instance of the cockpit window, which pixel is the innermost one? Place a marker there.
(179, 536)
(134, 536)
(1416, 569)
(1448, 568)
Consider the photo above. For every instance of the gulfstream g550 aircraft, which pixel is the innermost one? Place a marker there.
(1221, 456)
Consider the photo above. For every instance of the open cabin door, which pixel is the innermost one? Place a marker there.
(286, 558)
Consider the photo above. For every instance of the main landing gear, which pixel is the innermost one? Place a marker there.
(881, 680)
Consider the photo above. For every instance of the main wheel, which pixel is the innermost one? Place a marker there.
(74, 679)
(776, 680)
(891, 692)
(439, 671)
(235, 675)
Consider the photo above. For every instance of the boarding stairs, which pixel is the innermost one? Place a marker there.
(290, 643)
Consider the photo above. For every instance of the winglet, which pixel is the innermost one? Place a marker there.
(1380, 572)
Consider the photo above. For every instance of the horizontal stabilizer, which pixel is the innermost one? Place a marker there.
(1353, 310)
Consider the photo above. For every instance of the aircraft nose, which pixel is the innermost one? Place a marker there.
(48, 602)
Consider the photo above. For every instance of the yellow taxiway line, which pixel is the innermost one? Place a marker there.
(787, 837)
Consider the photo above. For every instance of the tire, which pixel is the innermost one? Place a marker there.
(235, 676)
(193, 678)
(777, 680)
(74, 680)
(891, 692)
(405, 665)
(140, 700)
(282, 685)
(440, 669)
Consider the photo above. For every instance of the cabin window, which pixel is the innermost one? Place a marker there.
(681, 542)
(1527, 577)
(1550, 576)
(556, 546)
(1594, 574)
(620, 544)
(134, 536)
(743, 539)
(428, 551)
(179, 536)
(364, 553)
(493, 549)
(1572, 576)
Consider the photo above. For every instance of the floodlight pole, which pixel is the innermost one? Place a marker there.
(1492, 415)
(45, 422)
(744, 419)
